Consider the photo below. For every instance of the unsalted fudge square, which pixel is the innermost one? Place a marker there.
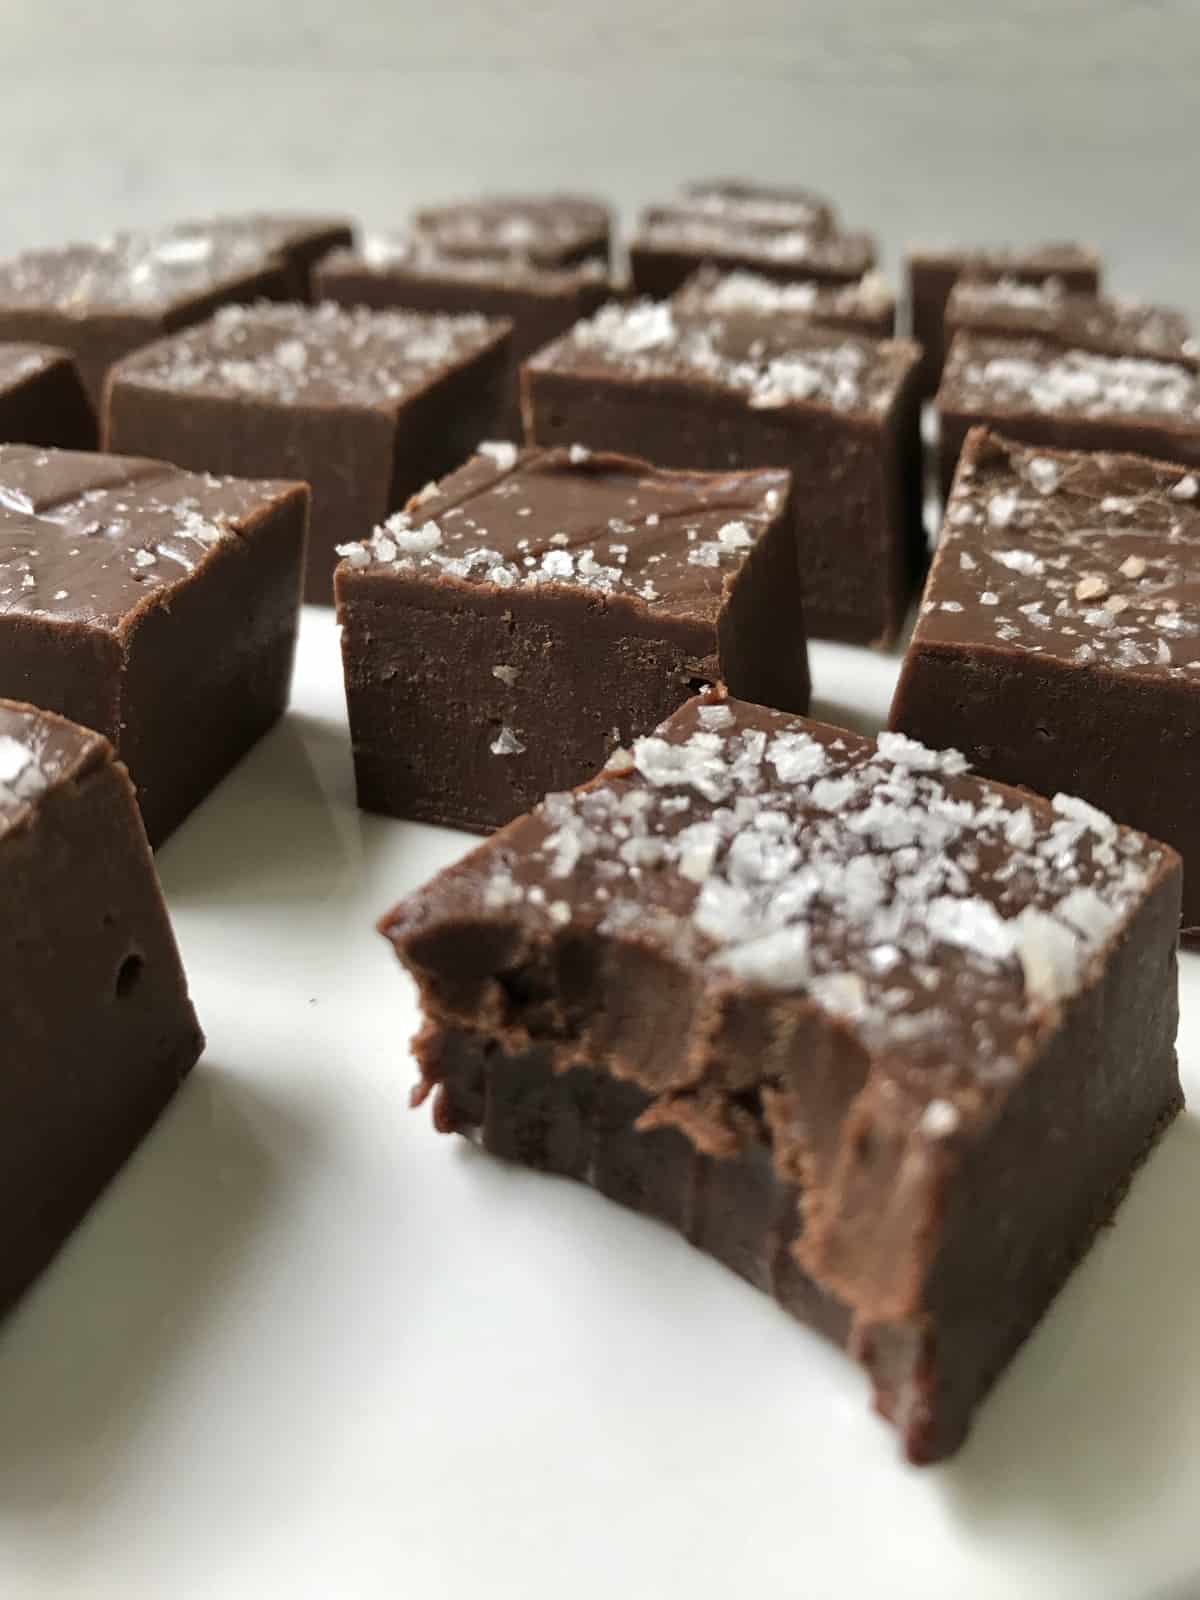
(551, 230)
(98, 1028)
(100, 301)
(867, 306)
(156, 606)
(694, 390)
(535, 610)
(932, 274)
(407, 270)
(1058, 645)
(886, 1039)
(1004, 308)
(1067, 399)
(42, 400)
(364, 406)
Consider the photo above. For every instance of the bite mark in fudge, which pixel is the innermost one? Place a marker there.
(932, 274)
(867, 307)
(671, 242)
(1035, 391)
(554, 230)
(849, 996)
(100, 301)
(538, 608)
(1005, 308)
(365, 406)
(1058, 644)
(745, 390)
(42, 400)
(98, 1027)
(156, 606)
(405, 270)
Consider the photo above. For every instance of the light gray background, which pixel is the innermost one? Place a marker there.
(928, 119)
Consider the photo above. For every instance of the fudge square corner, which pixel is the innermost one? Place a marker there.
(1058, 643)
(885, 1038)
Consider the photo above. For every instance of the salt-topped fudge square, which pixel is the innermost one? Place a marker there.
(932, 274)
(98, 1028)
(537, 609)
(42, 400)
(1067, 399)
(742, 389)
(1058, 644)
(408, 270)
(671, 241)
(866, 306)
(551, 230)
(364, 406)
(766, 205)
(298, 240)
(100, 301)
(888, 1039)
(156, 606)
(1008, 309)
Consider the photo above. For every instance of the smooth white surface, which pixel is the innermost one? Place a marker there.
(306, 1348)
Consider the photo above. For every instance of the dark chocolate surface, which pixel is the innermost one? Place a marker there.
(42, 399)
(867, 306)
(670, 243)
(759, 204)
(550, 230)
(38, 752)
(1006, 308)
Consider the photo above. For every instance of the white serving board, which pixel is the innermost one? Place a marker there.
(305, 1348)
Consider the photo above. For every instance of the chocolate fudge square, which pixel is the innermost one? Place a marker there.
(100, 301)
(1058, 645)
(156, 606)
(538, 608)
(746, 390)
(1040, 393)
(98, 1028)
(827, 1006)
(553, 230)
(42, 400)
(365, 406)
(867, 306)
(405, 270)
(766, 205)
(672, 241)
(299, 241)
(1006, 309)
(932, 274)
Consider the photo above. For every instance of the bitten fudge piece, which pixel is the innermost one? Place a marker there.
(1058, 645)
(405, 270)
(832, 1009)
(746, 390)
(671, 242)
(1007, 309)
(42, 400)
(100, 301)
(300, 241)
(868, 306)
(554, 230)
(761, 204)
(365, 406)
(933, 273)
(98, 1028)
(1037, 392)
(537, 609)
(156, 606)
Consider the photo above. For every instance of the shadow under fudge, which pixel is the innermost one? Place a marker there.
(841, 1067)
(838, 410)
(156, 606)
(537, 609)
(1058, 644)
(364, 406)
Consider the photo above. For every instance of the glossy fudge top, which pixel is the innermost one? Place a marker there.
(1041, 260)
(1001, 377)
(90, 538)
(543, 228)
(39, 751)
(1084, 557)
(939, 918)
(803, 249)
(311, 355)
(606, 523)
(146, 273)
(770, 362)
(760, 204)
(20, 362)
(711, 292)
(1048, 310)
(411, 254)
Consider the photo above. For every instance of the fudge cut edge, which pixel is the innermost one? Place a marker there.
(906, 1273)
